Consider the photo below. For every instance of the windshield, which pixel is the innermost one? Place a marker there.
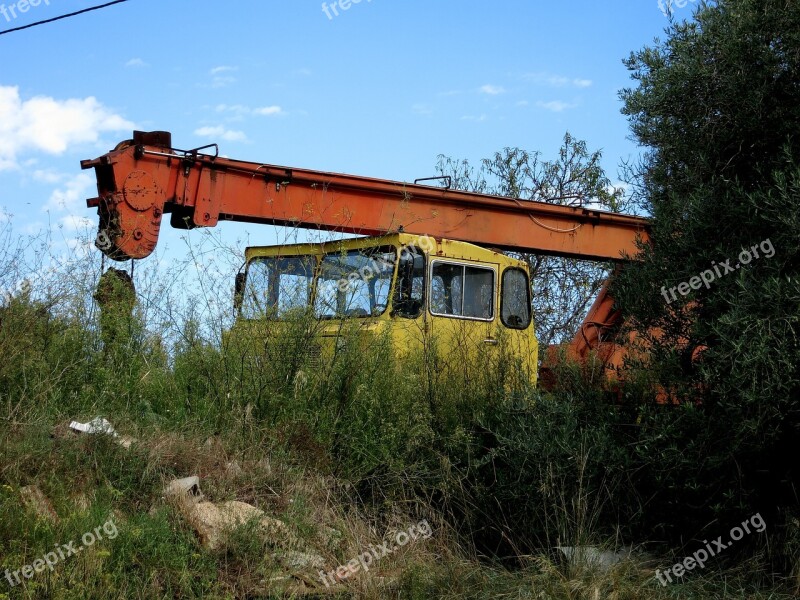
(277, 287)
(355, 283)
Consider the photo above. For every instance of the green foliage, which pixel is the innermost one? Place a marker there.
(556, 471)
(510, 471)
(562, 288)
(718, 108)
(336, 431)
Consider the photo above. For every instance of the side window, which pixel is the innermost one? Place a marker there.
(409, 297)
(462, 291)
(277, 286)
(446, 289)
(478, 293)
(515, 310)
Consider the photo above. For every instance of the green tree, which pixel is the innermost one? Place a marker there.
(717, 109)
(563, 288)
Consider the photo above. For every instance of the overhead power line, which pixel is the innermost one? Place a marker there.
(79, 12)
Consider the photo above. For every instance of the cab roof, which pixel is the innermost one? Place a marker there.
(442, 248)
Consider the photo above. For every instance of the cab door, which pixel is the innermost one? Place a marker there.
(462, 308)
(519, 348)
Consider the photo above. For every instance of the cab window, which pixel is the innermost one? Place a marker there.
(515, 302)
(277, 286)
(459, 290)
(409, 296)
(355, 283)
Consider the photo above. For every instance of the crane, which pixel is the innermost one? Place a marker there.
(145, 178)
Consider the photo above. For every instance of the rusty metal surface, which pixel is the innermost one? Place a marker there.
(143, 179)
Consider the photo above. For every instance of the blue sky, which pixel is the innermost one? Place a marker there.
(379, 90)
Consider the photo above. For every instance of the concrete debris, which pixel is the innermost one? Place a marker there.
(96, 425)
(187, 487)
(102, 426)
(213, 522)
(35, 501)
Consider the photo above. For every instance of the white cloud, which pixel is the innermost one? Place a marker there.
(240, 111)
(219, 77)
(74, 223)
(136, 63)
(547, 79)
(492, 90)
(68, 202)
(71, 195)
(555, 105)
(219, 132)
(44, 124)
(47, 176)
(551, 80)
(233, 108)
(269, 111)
(477, 119)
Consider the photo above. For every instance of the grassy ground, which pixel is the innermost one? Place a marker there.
(155, 554)
(346, 454)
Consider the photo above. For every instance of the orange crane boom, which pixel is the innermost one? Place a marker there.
(145, 178)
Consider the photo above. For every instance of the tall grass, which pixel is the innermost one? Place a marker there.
(342, 449)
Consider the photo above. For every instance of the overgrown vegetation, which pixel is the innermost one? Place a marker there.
(717, 108)
(342, 450)
(520, 486)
